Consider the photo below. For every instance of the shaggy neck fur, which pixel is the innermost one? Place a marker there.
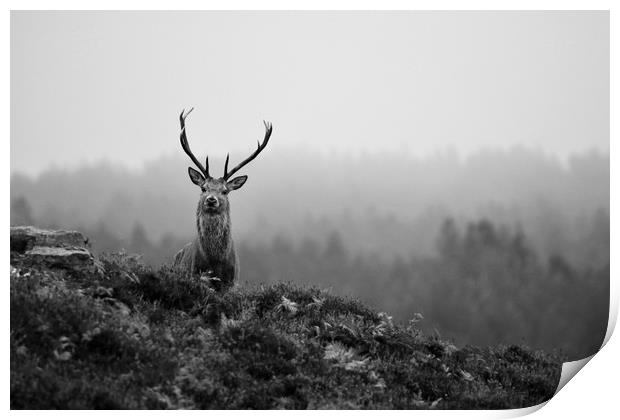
(214, 239)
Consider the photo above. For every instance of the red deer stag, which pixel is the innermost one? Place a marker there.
(212, 252)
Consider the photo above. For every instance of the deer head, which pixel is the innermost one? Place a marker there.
(214, 191)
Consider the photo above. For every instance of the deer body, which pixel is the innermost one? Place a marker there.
(212, 252)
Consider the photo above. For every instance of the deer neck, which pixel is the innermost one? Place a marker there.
(214, 237)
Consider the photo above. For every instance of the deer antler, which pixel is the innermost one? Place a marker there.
(185, 145)
(261, 146)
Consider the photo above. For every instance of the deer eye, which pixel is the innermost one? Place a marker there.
(225, 192)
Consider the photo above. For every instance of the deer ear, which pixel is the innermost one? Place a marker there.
(237, 182)
(195, 176)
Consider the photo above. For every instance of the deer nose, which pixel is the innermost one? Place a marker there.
(211, 200)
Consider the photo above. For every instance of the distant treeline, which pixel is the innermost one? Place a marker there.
(390, 228)
(389, 203)
(484, 285)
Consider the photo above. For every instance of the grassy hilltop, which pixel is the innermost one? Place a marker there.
(132, 337)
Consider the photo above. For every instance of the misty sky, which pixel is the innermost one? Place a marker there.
(110, 85)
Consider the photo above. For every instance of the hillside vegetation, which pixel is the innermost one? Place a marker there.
(132, 337)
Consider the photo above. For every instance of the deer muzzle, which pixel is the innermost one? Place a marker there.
(211, 202)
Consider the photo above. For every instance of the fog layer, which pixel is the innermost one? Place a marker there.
(98, 85)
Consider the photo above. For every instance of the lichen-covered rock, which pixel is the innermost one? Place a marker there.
(55, 249)
(24, 238)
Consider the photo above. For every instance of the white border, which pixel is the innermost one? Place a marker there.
(311, 5)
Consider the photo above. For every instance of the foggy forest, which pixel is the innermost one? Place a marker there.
(497, 246)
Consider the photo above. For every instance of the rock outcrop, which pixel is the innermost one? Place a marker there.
(54, 249)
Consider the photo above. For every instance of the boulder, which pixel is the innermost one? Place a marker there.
(55, 249)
